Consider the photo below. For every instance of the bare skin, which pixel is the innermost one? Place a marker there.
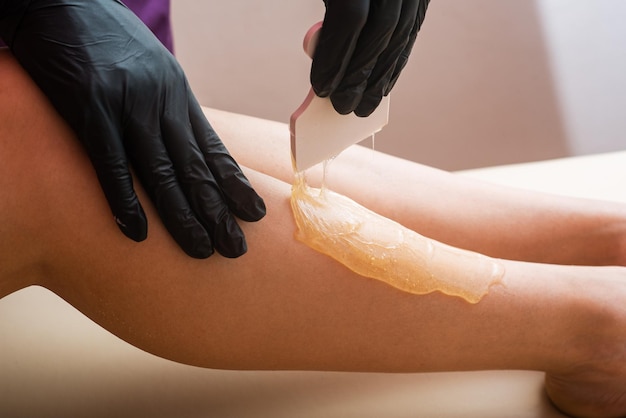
(450, 208)
(285, 306)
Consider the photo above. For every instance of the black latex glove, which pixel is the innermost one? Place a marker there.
(362, 48)
(128, 100)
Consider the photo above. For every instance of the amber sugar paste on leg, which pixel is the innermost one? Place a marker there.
(379, 248)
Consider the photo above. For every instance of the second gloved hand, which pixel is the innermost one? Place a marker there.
(362, 48)
(128, 100)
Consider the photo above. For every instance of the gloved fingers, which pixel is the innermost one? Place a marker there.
(179, 218)
(238, 193)
(337, 40)
(373, 41)
(199, 184)
(404, 56)
(107, 154)
(382, 73)
(155, 168)
(204, 194)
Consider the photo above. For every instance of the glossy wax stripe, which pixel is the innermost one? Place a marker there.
(379, 248)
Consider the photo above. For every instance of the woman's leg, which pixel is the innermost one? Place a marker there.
(450, 208)
(282, 305)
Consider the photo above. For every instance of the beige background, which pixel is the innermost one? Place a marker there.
(489, 81)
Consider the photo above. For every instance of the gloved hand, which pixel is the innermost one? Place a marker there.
(128, 100)
(362, 48)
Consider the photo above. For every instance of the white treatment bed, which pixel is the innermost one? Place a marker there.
(54, 362)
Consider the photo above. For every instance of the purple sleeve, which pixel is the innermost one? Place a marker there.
(156, 15)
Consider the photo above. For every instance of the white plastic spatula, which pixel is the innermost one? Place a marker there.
(318, 132)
